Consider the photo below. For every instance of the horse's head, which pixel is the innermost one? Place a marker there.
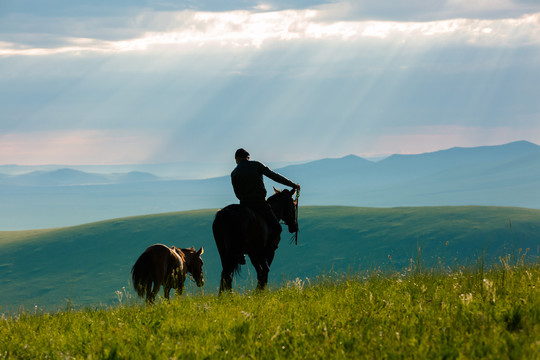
(285, 207)
(194, 264)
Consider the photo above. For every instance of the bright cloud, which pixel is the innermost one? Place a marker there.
(189, 29)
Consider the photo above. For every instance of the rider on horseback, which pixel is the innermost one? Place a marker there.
(248, 185)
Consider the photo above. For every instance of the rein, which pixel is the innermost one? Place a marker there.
(295, 236)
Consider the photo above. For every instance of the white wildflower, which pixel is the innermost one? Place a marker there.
(466, 298)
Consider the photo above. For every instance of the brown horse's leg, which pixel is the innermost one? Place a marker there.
(155, 290)
(180, 284)
(149, 292)
(166, 291)
(179, 290)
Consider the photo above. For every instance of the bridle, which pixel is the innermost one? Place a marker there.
(191, 267)
(295, 203)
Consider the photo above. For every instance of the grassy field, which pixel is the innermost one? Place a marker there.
(86, 265)
(469, 313)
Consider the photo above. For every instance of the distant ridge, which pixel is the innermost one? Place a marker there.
(328, 168)
(470, 154)
(413, 166)
(503, 175)
(71, 177)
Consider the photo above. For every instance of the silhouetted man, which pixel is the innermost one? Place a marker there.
(248, 185)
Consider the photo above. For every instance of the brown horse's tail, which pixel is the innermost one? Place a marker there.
(140, 273)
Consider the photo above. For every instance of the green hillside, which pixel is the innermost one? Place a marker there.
(87, 264)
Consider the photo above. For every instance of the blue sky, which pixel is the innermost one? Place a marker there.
(101, 82)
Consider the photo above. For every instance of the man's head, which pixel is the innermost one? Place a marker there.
(241, 154)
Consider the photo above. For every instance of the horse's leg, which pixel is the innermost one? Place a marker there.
(180, 290)
(149, 292)
(260, 265)
(262, 278)
(226, 278)
(155, 290)
(170, 283)
(166, 291)
(226, 281)
(270, 257)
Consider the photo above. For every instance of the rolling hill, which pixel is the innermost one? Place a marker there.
(87, 264)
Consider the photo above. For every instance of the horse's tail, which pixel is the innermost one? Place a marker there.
(227, 236)
(140, 273)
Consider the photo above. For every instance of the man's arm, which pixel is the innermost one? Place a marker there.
(277, 177)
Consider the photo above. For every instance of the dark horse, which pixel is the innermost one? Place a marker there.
(160, 265)
(239, 230)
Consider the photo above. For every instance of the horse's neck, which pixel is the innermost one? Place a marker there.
(187, 264)
(183, 258)
(278, 210)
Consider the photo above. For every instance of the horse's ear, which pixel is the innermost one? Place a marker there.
(200, 252)
(276, 191)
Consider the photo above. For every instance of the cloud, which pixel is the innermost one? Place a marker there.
(188, 30)
(480, 5)
(76, 147)
(428, 10)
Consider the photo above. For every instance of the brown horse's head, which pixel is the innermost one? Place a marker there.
(194, 264)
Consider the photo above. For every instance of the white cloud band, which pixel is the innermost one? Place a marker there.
(191, 30)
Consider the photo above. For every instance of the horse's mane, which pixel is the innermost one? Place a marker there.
(277, 194)
(180, 253)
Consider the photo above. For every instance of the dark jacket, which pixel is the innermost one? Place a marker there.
(247, 181)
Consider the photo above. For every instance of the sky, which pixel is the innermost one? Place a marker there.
(158, 81)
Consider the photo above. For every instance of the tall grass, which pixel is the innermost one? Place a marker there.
(472, 312)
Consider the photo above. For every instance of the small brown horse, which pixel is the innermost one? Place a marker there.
(165, 266)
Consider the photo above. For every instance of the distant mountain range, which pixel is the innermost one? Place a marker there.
(71, 177)
(504, 175)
